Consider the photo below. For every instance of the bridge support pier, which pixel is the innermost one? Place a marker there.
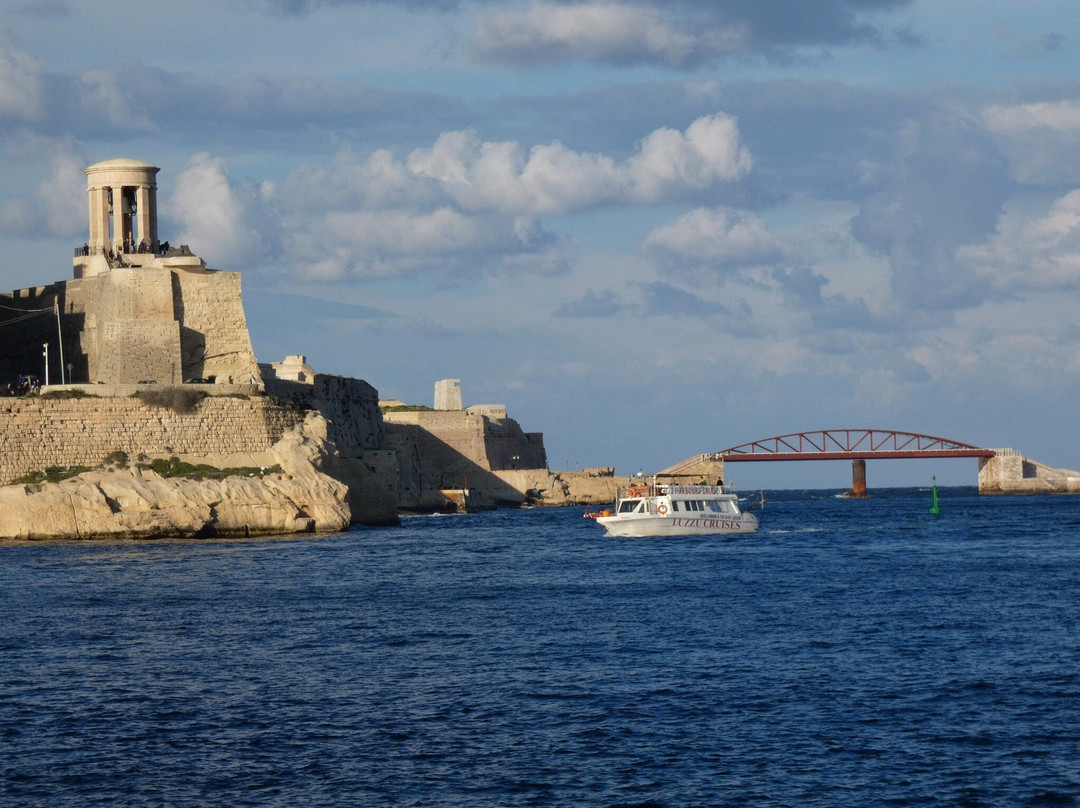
(858, 477)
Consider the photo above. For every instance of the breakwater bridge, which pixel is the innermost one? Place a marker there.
(1000, 470)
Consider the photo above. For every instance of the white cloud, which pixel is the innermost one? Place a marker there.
(347, 182)
(64, 195)
(105, 95)
(1063, 116)
(602, 31)
(385, 243)
(554, 180)
(1041, 139)
(58, 205)
(716, 235)
(707, 153)
(1043, 254)
(22, 92)
(462, 205)
(215, 216)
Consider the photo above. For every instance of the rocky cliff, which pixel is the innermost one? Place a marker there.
(361, 461)
(139, 503)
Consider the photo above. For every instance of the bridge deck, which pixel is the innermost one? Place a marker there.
(837, 444)
(850, 444)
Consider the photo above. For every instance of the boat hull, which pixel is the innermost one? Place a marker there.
(635, 526)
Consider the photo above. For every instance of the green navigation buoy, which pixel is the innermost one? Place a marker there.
(934, 507)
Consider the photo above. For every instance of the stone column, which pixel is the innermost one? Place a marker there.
(147, 215)
(99, 219)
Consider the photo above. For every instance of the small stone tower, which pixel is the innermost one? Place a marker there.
(448, 394)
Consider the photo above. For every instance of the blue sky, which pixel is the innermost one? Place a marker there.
(651, 229)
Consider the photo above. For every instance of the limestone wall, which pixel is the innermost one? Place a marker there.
(458, 449)
(355, 426)
(1009, 472)
(215, 334)
(127, 333)
(36, 433)
(129, 324)
(556, 488)
(350, 405)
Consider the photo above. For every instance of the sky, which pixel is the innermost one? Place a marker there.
(650, 228)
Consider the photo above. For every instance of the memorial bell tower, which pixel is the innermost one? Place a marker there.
(123, 207)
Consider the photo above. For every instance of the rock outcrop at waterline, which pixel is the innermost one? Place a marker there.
(139, 503)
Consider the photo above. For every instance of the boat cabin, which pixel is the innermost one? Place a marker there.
(716, 499)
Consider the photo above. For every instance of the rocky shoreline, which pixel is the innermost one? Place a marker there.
(139, 503)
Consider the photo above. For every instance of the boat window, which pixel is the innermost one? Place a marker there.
(716, 506)
(674, 505)
(627, 505)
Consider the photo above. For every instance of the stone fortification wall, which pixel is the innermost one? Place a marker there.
(214, 333)
(554, 488)
(139, 351)
(355, 426)
(1009, 472)
(127, 333)
(131, 324)
(133, 502)
(350, 405)
(458, 449)
(36, 433)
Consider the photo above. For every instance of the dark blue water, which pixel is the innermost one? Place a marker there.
(849, 654)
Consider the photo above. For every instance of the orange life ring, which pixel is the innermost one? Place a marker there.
(661, 509)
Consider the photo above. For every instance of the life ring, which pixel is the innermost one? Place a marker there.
(661, 509)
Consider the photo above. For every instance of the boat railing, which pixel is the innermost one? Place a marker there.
(652, 489)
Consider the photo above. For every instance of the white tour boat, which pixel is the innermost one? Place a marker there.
(677, 510)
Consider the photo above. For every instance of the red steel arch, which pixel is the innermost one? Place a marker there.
(848, 444)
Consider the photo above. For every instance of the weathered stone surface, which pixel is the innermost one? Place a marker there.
(555, 488)
(221, 431)
(36, 433)
(136, 503)
(1009, 472)
(362, 460)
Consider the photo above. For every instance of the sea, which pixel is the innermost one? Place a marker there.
(850, 653)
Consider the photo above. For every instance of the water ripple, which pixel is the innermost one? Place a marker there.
(850, 654)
